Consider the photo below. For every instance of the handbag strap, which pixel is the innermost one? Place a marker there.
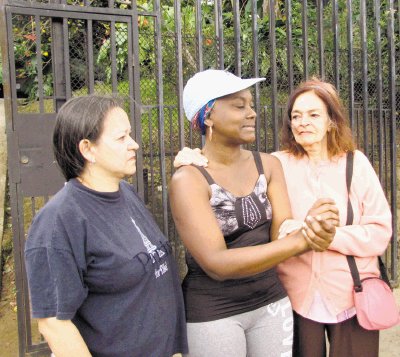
(350, 216)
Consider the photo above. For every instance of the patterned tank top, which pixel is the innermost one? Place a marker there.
(244, 221)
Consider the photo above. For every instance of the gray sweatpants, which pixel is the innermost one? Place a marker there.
(264, 332)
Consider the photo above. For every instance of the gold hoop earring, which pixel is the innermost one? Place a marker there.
(210, 133)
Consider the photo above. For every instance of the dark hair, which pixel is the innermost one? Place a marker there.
(79, 118)
(340, 139)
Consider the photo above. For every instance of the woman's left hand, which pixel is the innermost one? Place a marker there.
(326, 210)
(188, 156)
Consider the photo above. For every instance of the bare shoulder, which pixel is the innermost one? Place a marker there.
(270, 163)
(187, 177)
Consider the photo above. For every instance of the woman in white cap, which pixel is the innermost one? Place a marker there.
(317, 139)
(229, 217)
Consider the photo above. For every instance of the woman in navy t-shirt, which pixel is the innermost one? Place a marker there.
(101, 275)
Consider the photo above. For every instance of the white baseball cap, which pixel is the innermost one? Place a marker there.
(211, 84)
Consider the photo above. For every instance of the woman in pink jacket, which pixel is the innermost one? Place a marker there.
(315, 139)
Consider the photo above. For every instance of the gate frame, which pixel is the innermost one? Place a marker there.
(61, 94)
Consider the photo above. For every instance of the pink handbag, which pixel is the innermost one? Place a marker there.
(375, 304)
(374, 301)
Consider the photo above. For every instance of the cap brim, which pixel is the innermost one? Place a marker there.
(244, 84)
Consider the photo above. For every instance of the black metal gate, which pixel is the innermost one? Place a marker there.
(60, 44)
(145, 51)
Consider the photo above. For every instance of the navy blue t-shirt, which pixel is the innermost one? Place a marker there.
(100, 260)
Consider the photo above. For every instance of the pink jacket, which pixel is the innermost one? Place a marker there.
(328, 272)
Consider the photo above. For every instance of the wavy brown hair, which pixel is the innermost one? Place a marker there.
(340, 139)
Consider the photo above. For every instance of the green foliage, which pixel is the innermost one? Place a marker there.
(103, 57)
(26, 52)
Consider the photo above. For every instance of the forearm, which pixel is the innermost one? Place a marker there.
(362, 240)
(63, 337)
(242, 262)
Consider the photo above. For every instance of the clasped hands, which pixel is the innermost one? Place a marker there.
(319, 227)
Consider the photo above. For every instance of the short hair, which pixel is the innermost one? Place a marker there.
(79, 118)
(339, 138)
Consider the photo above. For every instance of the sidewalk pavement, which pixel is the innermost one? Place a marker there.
(389, 342)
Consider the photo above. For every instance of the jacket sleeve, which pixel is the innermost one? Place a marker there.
(372, 225)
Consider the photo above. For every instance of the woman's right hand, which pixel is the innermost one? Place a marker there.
(188, 156)
(318, 233)
(320, 225)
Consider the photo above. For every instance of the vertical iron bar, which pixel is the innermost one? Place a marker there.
(39, 64)
(113, 55)
(131, 103)
(6, 48)
(350, 63)
(18, 247)
(134, 90)
(151, 156)
(364, 60)
(68, 90)
(386, 114)
(171, 139)
(200, 64)
(289, 43)
(220, 34)
(89, 51)
(320, 29)
(256, 70)
(371, 117)
(305, 38)
(274, 89)
(161, 129)
(179, 65)
(393, 151)
(130, 63)
(358, 126)
(336, 53)
(265, 118)
(378, 52)
(236, 26)
(58, 64)
(199, 36)
(10, 106)
(33, 207)
(9, 74)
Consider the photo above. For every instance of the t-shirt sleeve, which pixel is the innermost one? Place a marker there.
(55, 284)
(55, 264)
